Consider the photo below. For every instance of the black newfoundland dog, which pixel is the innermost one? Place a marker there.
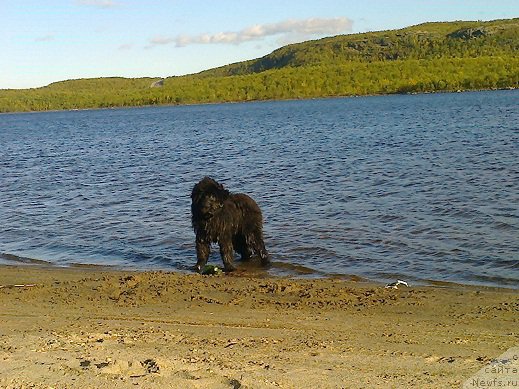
(233, 220)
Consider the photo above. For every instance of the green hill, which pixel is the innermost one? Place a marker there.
(424, 41)
(429, 57)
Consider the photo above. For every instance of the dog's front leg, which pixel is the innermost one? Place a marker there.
(227, 253)
(202, 254)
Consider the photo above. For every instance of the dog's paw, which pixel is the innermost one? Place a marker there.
(228, 268)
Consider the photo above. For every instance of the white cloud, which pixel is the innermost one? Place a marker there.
(98, 3)
(161, 40)
(286, 31)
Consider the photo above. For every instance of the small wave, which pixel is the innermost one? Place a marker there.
(319, 251)
(12, 258)
(90, 266)
(294, 268)
(512, 264)
(390, 218)
(504, 226)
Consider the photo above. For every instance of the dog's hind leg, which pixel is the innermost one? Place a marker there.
(241, 247)
(263, 254)
(227, 253)
(202, 254)
(258, 245)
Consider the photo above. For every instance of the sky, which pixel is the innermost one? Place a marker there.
(43, 41)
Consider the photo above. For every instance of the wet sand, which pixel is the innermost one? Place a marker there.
(88, 328)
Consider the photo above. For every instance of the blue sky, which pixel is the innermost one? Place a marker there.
(53, 40)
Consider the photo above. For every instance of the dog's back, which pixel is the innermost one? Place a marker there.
(250, 213)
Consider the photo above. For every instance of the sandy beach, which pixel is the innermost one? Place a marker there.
(91, 328)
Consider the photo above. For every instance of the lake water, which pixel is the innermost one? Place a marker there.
(422, 187)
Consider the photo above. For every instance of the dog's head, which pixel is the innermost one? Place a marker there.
(207, 198)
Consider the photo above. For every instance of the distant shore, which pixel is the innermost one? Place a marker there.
(425, 58)
(255, 101)
(85, 328)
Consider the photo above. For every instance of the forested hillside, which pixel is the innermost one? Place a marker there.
(428, 57)
(424, 41)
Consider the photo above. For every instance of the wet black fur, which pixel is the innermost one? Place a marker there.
(234, 221)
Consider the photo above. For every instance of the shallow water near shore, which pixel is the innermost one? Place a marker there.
(422, 187)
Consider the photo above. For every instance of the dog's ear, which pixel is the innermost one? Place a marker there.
(197, 193)
(208, 186)
(220, 193)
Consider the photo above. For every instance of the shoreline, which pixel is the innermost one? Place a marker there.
(283, 270)
(90, 327)
(115, 107)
